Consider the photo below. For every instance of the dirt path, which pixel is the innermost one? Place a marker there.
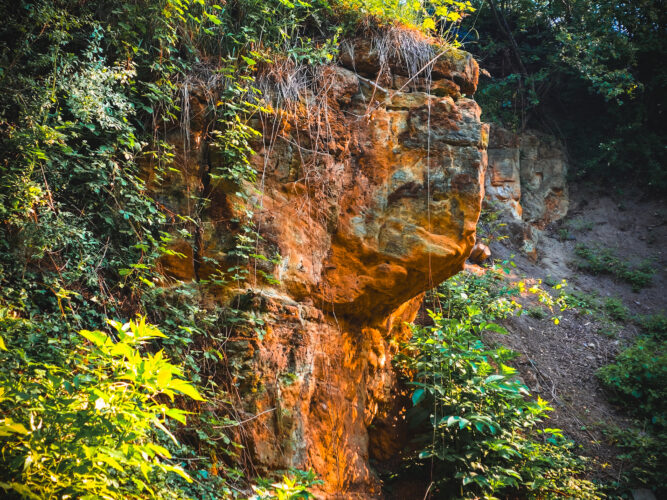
(559, 362)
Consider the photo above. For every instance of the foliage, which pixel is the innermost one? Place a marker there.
(489, 292)
(561, 66)
(579, 224)
(490, 225)
(481, 435)
(615, 308)
(654, 325)
(293, 486)
(643, 453)
(498, 297)
(82, 87)
(598, 260)
(637, 381)
(439, 17)
(89, 428)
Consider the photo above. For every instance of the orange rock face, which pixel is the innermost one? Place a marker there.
(391, 215)
(369, 194)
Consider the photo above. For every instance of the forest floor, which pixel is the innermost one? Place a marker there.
(559, 362)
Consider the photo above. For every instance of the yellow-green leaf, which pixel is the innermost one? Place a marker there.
(429, 23)
(185, 388)
(96, 337)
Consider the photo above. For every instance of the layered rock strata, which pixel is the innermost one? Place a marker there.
(369, 190)
(527, 178)
(527, 174)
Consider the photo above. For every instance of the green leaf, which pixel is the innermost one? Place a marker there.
(177, 414)
(185, 388)
(493, 378)
(177, 470)
(96, 337)
(417, 396)
(9, 427)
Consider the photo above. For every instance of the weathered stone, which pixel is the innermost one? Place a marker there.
(503, 182)
(526, 176)
(480, 253)
(368, 202)
(525, 237)
(544, 196)
(367, 55)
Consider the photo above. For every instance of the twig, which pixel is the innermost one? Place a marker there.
(236, 424)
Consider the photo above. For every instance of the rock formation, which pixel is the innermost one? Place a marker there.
(527, 174)
(369, 190)
(527, 177)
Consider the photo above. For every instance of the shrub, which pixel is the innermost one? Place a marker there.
(477, 428)
(90, 428)
(293, 486)
(654, 325)
(616, 309)
(637, 381)
(483, 435)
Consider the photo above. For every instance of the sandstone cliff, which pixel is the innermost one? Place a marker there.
(527, 173)
(527, 177)
(369, 190)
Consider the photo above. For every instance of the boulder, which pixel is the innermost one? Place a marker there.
(480, 253)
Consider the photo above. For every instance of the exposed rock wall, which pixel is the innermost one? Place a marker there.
(527, 175)
(369, 190)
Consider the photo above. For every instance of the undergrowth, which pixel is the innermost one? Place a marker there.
(637, 382)
(598, 260)
(480, 433)
(87, 428)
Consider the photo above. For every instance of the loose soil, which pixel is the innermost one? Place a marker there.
(558, 362)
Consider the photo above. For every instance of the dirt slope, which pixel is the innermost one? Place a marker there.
(559, 362)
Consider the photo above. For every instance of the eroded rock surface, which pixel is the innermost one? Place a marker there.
(527, 178)
(527, 174)
(370, 195)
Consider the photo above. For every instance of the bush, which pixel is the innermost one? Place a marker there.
(637, 381)
(91, 428)
(616, 309)
(604, 261)
(293, 486)
(477, 428)
(654, 325)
